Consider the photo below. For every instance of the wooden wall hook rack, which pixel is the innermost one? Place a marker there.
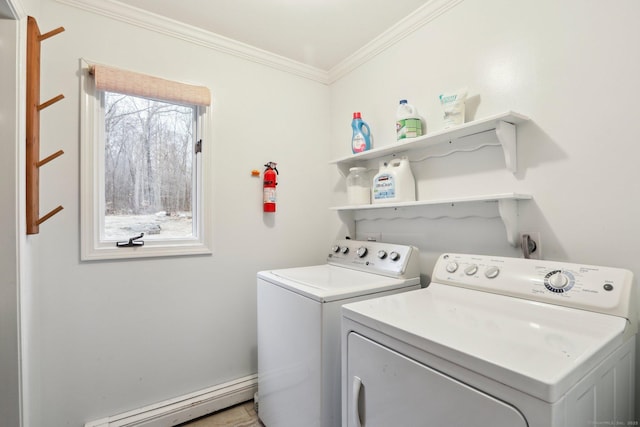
(33, 126)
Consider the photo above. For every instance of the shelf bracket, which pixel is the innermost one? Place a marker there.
(508, 209)
(506, 134)
(348, 219)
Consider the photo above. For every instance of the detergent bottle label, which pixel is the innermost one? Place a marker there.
(384, 187)
(408, 128)
(359, 143)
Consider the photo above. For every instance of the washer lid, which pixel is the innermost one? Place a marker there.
(331, 283)
(538, 348)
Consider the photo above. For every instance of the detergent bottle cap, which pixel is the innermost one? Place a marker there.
(357, 115)
(403, 101)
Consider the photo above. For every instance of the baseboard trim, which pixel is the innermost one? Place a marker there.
(184, 408)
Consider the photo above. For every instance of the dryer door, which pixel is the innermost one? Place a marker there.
(386, 388)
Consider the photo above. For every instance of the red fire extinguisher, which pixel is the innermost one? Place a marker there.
(269, 187)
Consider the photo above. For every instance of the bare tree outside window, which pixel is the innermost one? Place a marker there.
(149, 162)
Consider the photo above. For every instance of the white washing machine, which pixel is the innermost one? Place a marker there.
(299, 327)
(493, 341)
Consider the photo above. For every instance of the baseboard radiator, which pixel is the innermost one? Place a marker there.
(184, 408)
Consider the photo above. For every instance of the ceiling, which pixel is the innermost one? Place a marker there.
(318, 33)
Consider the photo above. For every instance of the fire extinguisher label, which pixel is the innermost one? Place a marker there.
(269, 195)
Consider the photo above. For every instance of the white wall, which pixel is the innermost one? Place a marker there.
(113, 336)
(571, 66)
(106, 337)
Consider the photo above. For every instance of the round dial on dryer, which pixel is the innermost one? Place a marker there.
(335, 249)
(492, 272)
(452, 267)
(394, 256)
(471, 270)
(559, 281)
(382, 254)
(344, 250)
(362, 251)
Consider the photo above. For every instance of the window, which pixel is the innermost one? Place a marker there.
(143, 166)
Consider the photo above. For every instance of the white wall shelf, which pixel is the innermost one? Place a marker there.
(497, 129)
(502, 128)
(507, 205)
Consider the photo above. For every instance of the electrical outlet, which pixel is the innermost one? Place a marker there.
(369, 236)
(535, 237)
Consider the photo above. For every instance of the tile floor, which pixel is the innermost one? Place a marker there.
(240, 415)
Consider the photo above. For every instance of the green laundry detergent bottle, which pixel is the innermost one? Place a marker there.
(408, 122)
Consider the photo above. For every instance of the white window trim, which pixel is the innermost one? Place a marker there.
(92, 180)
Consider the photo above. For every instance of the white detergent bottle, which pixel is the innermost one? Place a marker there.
(408, 121)
(394, 182)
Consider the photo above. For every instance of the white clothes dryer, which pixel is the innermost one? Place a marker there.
(299, 327)
(493, 341)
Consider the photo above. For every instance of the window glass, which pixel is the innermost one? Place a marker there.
(148, 168)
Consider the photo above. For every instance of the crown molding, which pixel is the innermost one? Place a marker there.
(160, 24)
(422, 16)
(141, 18)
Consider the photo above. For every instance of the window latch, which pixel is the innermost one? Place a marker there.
(133, 241)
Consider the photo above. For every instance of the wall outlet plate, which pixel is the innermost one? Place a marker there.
(370, 237)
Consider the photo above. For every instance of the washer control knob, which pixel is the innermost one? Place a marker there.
(344, 250)
(558, 280)
(452, 267)
(382, 254)
(362, 251)
(471, 270)
(394, 256)
(335, 249)
(492, 272)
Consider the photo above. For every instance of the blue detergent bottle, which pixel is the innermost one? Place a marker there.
(361, 140)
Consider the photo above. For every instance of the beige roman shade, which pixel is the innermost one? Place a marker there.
(130, 83)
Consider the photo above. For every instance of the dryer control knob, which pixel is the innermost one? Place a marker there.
(335, 249)
(492, 272)
(344, 250)
(452, 267)
(382, 254)
(558, 280)
(362, 251)
(394, 256)
(471, 270)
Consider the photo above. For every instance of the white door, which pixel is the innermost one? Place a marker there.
(388, 389)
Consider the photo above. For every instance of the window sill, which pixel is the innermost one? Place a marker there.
(106, 252)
